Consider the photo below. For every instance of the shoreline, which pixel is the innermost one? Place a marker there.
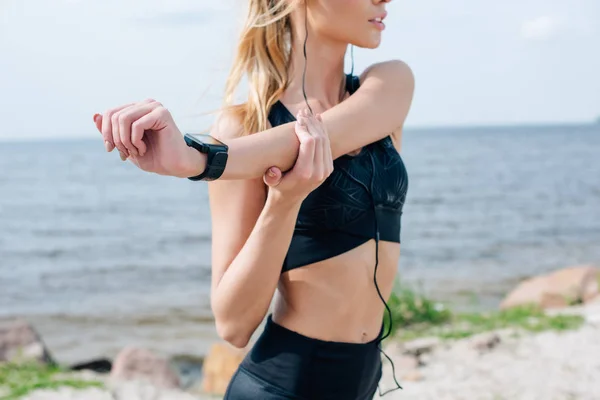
(547, 325)
(75, 338)
(506, 364)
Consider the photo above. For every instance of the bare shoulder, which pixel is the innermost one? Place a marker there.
(228, 125)
(397, 80)
(392, 73)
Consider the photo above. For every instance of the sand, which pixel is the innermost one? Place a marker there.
(544, 366)
(523, 366)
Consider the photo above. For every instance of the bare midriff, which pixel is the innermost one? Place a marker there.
(336, 299)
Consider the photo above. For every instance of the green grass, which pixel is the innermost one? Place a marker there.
(21, 379)
(414, 315)
(410, 309)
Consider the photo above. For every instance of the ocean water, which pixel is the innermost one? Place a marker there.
(98, 254)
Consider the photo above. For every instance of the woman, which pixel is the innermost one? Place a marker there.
(326, 233)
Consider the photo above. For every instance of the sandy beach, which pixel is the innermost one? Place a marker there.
(521, 366)
(506, 364)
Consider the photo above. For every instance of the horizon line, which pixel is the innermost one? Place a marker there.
(406, 129)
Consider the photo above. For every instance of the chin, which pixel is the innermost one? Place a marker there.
(368, 41)
(371, 44)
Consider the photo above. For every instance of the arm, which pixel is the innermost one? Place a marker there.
(377, 109)
(249, 246)
(250, 236)
(252, 231)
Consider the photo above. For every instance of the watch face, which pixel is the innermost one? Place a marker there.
(206, 139)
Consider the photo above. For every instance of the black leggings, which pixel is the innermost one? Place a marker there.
(284, 364)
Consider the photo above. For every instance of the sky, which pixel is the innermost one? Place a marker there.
(475, 62)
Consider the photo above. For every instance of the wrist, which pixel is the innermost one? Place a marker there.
(279, 202)
(193, 163)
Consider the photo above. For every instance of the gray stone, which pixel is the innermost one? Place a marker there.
(141, 364)
(19, 342)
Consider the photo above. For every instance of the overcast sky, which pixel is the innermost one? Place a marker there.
(476, 62)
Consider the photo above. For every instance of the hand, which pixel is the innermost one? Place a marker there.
(313, 165)
(145, 133)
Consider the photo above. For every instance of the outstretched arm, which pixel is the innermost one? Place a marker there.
(377, 109)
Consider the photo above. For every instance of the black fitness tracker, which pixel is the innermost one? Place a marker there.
(216, 155)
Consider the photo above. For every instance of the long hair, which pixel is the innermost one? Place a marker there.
(263, 56)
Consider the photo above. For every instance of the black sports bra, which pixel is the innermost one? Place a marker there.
(361, 200)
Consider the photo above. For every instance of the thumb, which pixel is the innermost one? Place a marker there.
(272, 177)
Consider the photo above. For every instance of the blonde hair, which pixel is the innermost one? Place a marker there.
(263, 55)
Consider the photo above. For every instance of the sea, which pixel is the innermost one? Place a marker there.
(99, 255)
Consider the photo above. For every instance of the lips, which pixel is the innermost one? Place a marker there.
(378, 21)
(379, 18)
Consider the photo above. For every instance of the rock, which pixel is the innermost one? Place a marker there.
(19, 342)
(141, 364)
(484, 341)
(189, 369)
(558, 289)
(420, 346)
(219, 366)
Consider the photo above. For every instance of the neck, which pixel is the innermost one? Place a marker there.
(324, 81)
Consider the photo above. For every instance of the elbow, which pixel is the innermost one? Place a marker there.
(232, 333)
(232, 324)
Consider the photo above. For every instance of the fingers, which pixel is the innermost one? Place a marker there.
(106, 129)
(318, 164)
(98, 121)
(107, 145)
(314, 127)
(144, 123)
(327, 157)
(116, 136)
(110, 126)
(323, 161)
(306, 154)
(272, 177)
(121, 126)
(132, 140)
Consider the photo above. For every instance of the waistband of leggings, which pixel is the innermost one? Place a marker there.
(279, 331)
